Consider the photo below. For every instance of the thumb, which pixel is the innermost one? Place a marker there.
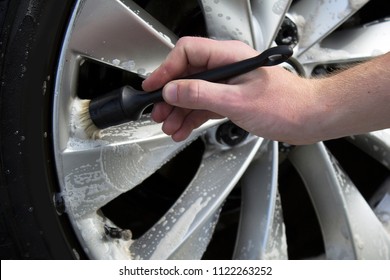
(201, 95)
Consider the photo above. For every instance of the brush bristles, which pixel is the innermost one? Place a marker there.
(85, 122)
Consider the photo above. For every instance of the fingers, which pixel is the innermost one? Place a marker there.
(175, 120)
(192, 121)
(180, 123)
(192, 103)
(161, 111)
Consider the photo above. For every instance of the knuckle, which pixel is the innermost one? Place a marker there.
(194, 92)
(183, 42)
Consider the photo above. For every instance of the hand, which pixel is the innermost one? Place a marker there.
(259, 102)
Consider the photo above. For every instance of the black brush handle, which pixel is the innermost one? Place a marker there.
(269, 57)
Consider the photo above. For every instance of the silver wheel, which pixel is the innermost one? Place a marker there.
(134, 193)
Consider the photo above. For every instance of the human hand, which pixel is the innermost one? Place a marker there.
(269, 102)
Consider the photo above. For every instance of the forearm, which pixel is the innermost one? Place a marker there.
(354, 101)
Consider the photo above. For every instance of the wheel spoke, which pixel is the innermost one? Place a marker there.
(380, 202)
(350, 228)
(317, 19)
(261, 231)
(114, 32)
(375, 144)
(269, 16)
(97, 171)
(194, 212)
(350, 45)
(363, 42)
(229, 19)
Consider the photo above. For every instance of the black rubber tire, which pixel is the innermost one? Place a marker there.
(31, 34)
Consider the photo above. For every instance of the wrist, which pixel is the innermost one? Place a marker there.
(319, 112)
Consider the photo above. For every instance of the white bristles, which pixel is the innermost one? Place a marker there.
(82, 125)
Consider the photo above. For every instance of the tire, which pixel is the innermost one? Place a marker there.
(133, 193)
(31, 35)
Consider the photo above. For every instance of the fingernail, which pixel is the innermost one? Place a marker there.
(170, 93)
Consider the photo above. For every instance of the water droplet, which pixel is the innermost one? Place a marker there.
(116, 62)
(44, 87)
(141, 71)
(128, 65)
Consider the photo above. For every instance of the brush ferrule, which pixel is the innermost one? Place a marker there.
(106, 110)
(121, 105)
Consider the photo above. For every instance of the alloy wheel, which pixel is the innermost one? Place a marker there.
(133, 193)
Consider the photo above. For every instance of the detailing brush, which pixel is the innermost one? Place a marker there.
(127, 104)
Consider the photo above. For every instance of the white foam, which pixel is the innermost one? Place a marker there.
(179, 230)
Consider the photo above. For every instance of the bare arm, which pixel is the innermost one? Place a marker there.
(270, 102)
(356, 100)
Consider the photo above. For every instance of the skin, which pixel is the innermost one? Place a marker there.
(269, 102)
